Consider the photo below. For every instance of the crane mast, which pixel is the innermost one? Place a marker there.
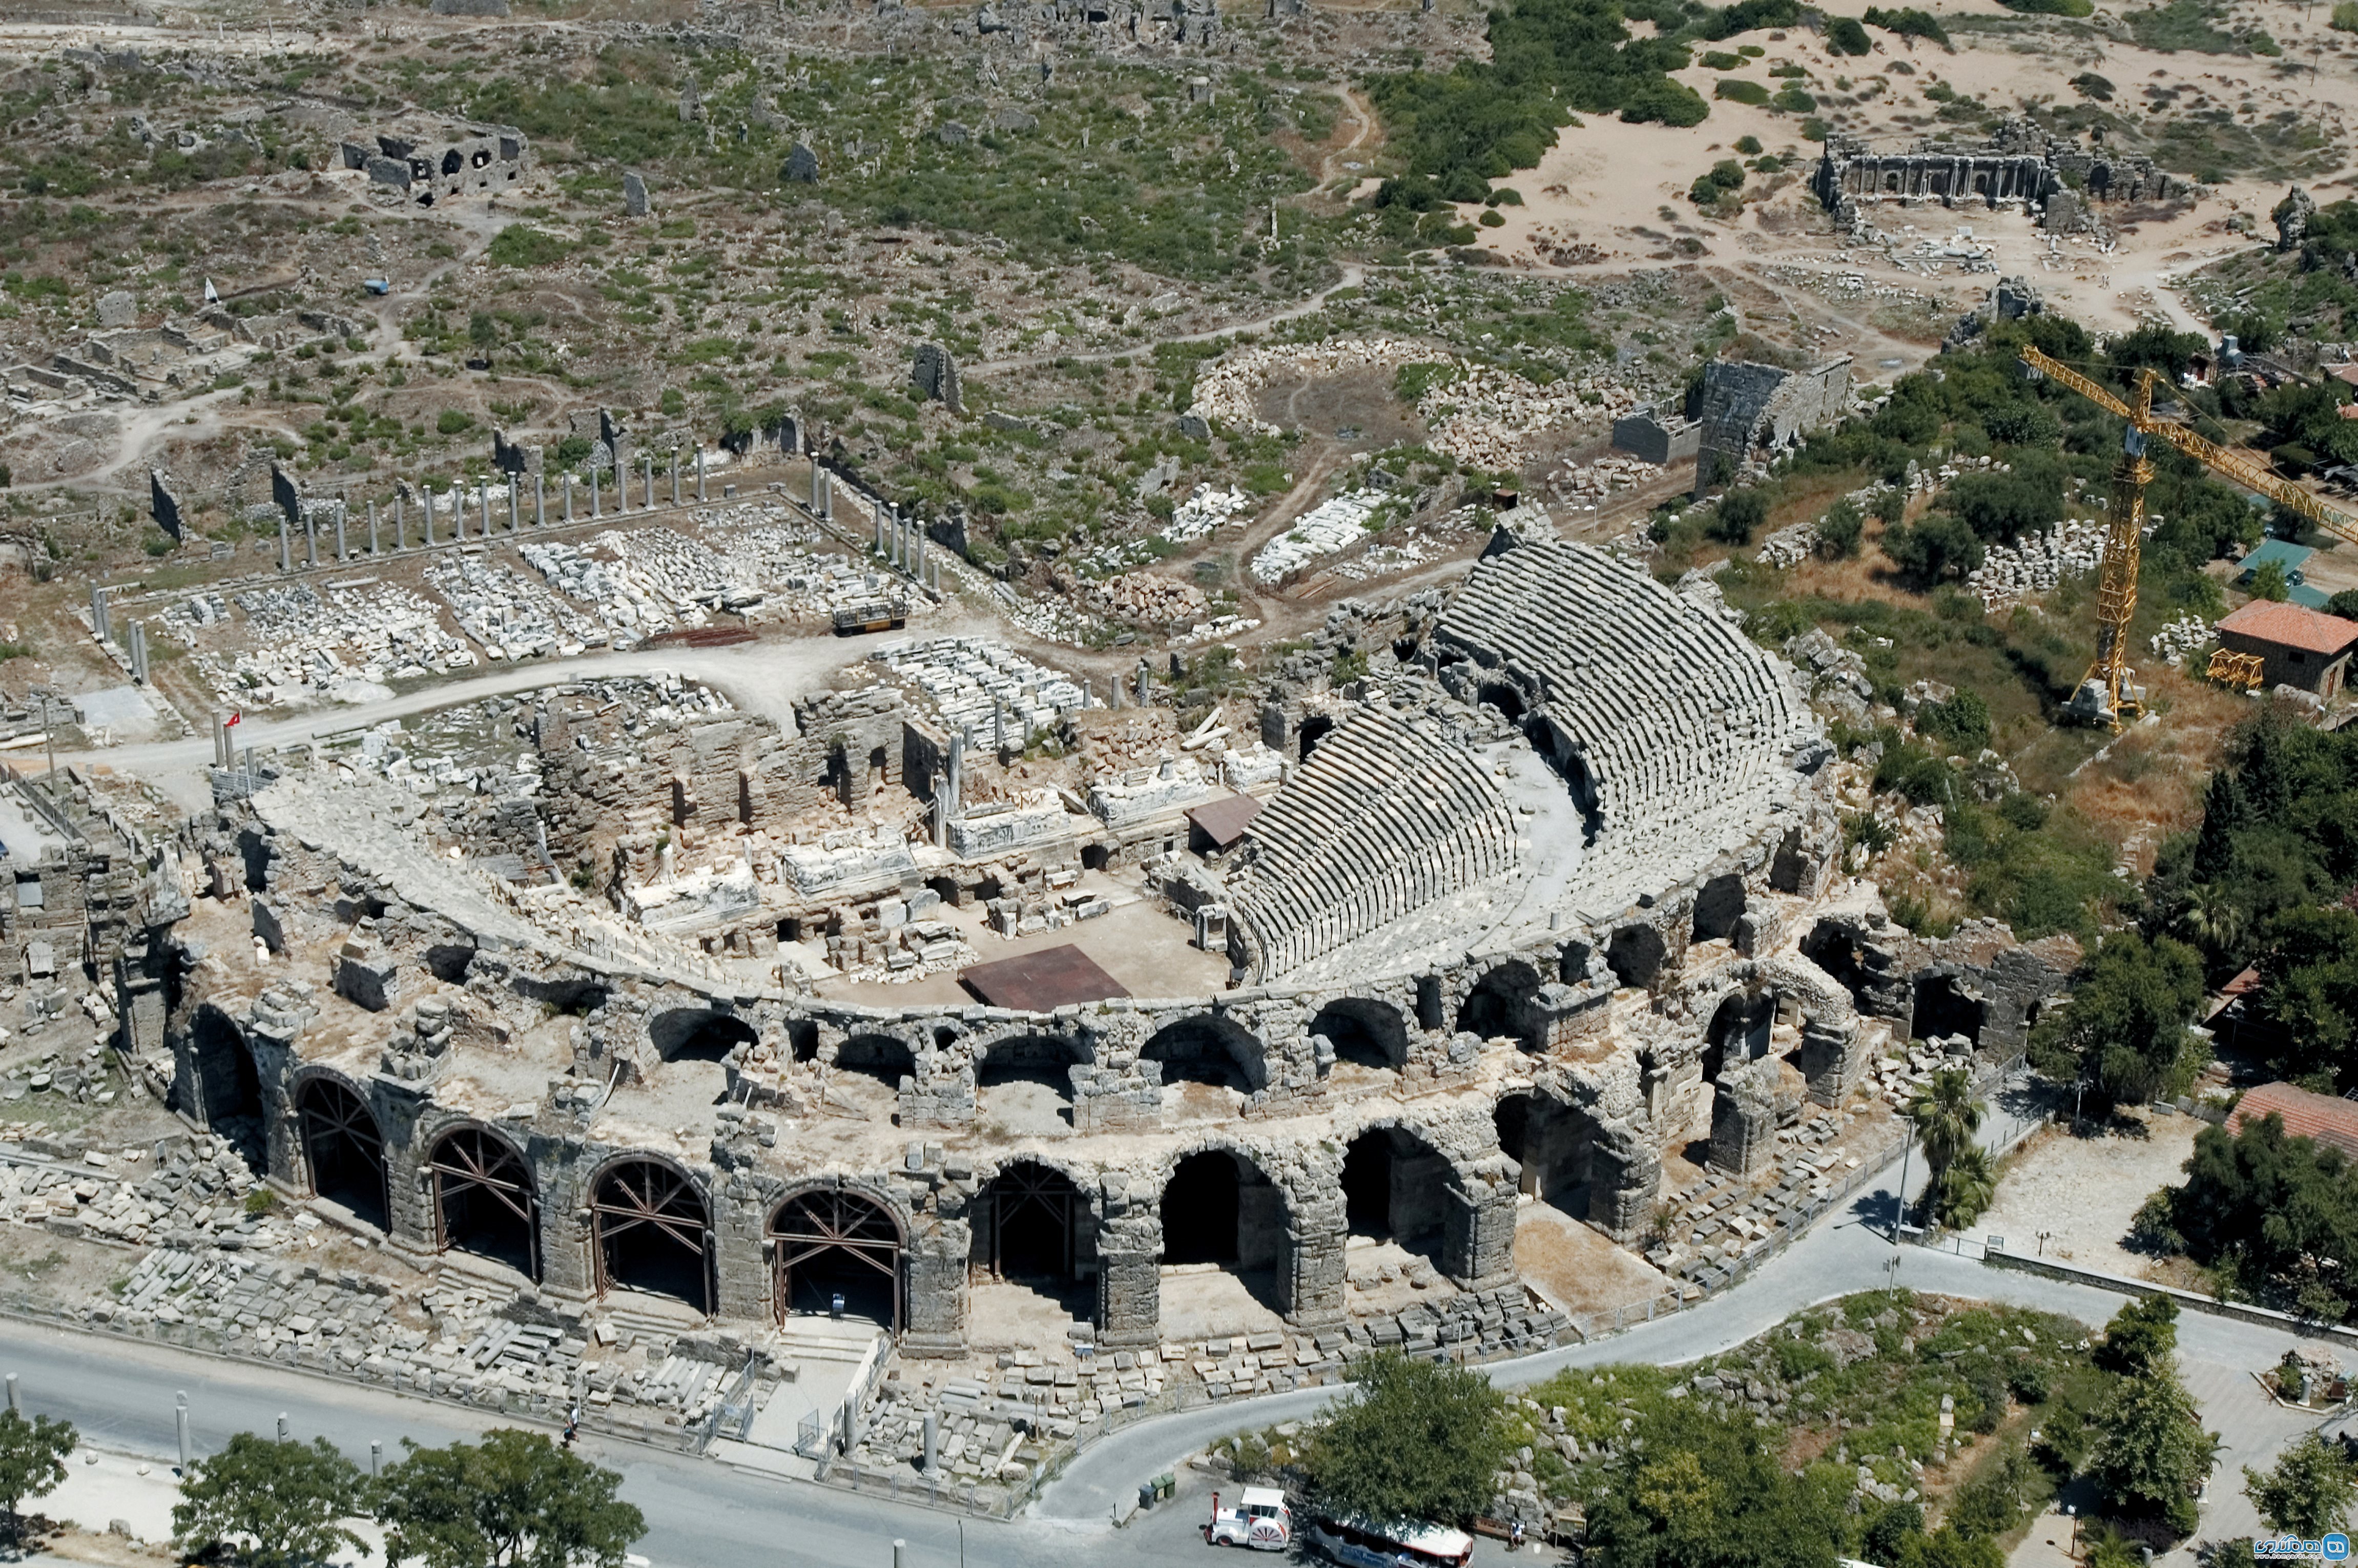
(2106, 695)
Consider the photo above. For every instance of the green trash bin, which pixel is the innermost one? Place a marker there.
(1166, 1485)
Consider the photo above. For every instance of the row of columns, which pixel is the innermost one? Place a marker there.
(134, 641)
(456, 507)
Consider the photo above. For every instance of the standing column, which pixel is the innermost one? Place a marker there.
(814, 473)
(310, 538)
(372, 549)
(878, 545)
(649, 459)
(540, 501)
(699, 473)
(594, 505)
(569, 495)
(285, 546)
(400, 528)
(429, 515)
(343, 508)
(827, 497)
(512, 503)
(484, 493)
(675, 477)
(99, 624)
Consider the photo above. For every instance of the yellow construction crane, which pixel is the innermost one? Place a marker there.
(2105, 696)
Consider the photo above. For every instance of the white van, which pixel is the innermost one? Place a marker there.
(1261, 1519)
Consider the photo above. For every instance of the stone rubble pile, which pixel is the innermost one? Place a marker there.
(1208, 509)
(1585, 486)
(1218, 629)
(1720, 1222)
(964, 680)
(511, 616)
(2038, 562)
(1791, 545)
(1147, 598)
(300, 641)
(2181, 637)
(1899, 1076)
(1335, 524)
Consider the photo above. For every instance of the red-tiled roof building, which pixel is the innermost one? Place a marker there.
(2324, 1117)
(2297, 647)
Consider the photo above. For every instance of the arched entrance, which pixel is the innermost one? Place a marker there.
(1366, 1033)
(1636, 955)
(697, 1034)
(228, 1088)
(484, 1200)
(1504, 698)
(878, 1056)
(1738, 1033)
(343, 1149)
(1207, 1049)
(1025, 1084)
(1315, 729)
(1550, 1141)
(1199, 1210)
(1943, 1008)
(1396, 1188)
(1027, 1221)
(1500, 1005)
(830, 1243)
(1718, 907)
(650, 1232)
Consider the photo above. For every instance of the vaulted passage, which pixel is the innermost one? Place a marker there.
(1943, 1008)
(832, 1245)
(1027, 1227)
(1551, 1143)
(1026, 1084)
(1366, 1033)
(1501, 1004)
(1739, 1033)
(343, 1149)
(695, 1034)
(878, 1056)
(484, 1202)
(1199, 1210)
(651, 1233)
(1206, 1050)
(1395, 1188)
(229, 1089)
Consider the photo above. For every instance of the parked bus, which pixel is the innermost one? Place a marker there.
(1360, 1544)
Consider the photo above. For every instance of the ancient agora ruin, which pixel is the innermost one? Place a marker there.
(2022, 166)
(974, 1042)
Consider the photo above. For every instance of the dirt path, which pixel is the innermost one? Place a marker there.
(1352, 274)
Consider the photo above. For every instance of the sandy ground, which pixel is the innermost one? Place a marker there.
(1579, 1269)
(1605, 181)
(2082, 1193)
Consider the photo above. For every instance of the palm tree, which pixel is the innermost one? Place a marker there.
(1967, 1188)
(2211, 920)
(1946, 1116)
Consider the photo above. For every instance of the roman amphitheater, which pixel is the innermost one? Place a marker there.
(1491, 966)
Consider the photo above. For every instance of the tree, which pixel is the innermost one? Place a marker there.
(2269, 582)
(2306, 1492)
(2278, 1214)
(2123, 1034)
(2153, 1453)
(273, 1503)
(1946, 1116)
(1839, 529)
(1697, 1489)
(32, 1460)
(1740, 512)
(514, 1500)
(2344, 604)
(1965, 1188)
(2212, 921)
(2142, 1335)
(1416, 1440)
(1844, 36)
(1930, 549)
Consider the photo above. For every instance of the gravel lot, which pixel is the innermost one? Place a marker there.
(2084, 1191)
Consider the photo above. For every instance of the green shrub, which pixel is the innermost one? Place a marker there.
(1909, 22)
(1793, 101)
(1845, 36)
(1715, 59)
(521, 245)
(1961, 721)
(1839, 530)
(452, 421)
(1740, 512)
(1748, 145)
(1736, 90)
(2345, 17)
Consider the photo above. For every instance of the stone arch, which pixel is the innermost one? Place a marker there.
(1220, 1207)
(884, 1057)
(697, 1034)
(343, 1149)
(1028, 1223)
(1637, 955)
(1026, 1081)
(1739, 1032)
(651, 1229)
(802, 1039)
(485, 1199)
(1505, 697)
(1397, 1187)
(1364, 1031)
(1499, 1003)
(1946, 1005)
(1718, 907)
(1552, 1143)
(229, 1084)
(1315, 729)
(1834, 947)
(833, 1241)
(1208, 1048)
